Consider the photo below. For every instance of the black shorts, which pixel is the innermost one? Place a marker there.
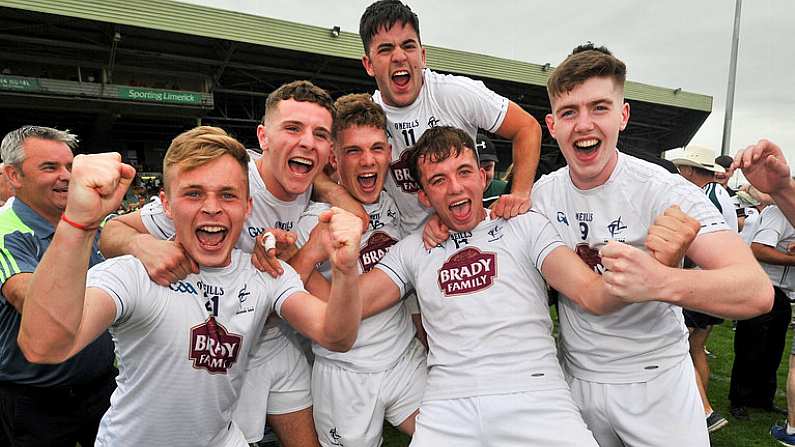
(697, 320)
(54, 416)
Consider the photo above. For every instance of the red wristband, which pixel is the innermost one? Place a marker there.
(77, 225)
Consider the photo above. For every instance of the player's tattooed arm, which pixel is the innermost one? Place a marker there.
(165, 261)
(61, 316)
(567, 273)
(670, 236)
(327, 191)
(525, 134)
(764, 165)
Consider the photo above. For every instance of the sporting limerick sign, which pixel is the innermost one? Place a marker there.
(161, 96)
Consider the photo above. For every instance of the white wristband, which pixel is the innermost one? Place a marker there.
(268, 241)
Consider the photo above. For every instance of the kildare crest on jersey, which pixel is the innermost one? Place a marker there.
(375, 249)
(402, 174)
(591, 257)
(212, 347)
(467, 271)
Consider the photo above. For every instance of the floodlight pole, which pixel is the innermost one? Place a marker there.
(727, 118)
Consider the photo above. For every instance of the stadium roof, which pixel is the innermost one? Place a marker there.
(242, 57)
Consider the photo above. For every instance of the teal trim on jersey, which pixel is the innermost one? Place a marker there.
(9, 223)
(713, 195)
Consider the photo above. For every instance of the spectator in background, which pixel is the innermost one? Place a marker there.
(43, 405)
(759, 342)
(752, 202)
(697, 165)
(487, 154)
(765, 343)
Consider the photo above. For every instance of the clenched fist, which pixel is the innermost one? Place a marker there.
(343, 238)
(671, 235)
(97, 187)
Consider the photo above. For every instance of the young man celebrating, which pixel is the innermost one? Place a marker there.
(383, 375)
(493, 369)
(295, 137)
(215, 315)
(630, 371)
(416, 99)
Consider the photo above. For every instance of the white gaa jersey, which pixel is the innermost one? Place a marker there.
(726, 206)
(267, 212)
(639, 341)
(775, 231)
(750, 226)
(183, 349)
(484, 307)
(383, 337)
(444, 100)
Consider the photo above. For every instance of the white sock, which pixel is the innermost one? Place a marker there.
(790, 429)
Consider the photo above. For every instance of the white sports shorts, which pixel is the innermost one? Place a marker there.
(350, 407)
(534, 418)
(665, 411)
(278, 384)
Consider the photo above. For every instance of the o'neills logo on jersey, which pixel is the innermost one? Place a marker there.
(467, 271)
(402, 174)
(591, 257)
(212, 347)
(375, 249)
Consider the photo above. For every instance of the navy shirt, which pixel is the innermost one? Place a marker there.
(24, 237)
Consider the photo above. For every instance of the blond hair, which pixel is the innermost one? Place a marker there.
(199, 146)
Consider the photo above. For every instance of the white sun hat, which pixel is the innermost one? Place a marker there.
(699, 157)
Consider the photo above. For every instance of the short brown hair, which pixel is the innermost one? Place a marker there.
(585, 62)
(358, 109)
(438, 144)
(302, 91)
(383, 15)
(201, 145)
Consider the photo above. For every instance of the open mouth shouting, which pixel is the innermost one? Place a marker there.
(401, 78)
(211, 237)
(586, 149)
(300, 165)
(368, 181)
(461, 209)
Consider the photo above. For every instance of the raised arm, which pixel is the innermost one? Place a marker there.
(326, 190)
(525, 134)
(335, 323)
(60, 316)
(764, 165)
(377, 290)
